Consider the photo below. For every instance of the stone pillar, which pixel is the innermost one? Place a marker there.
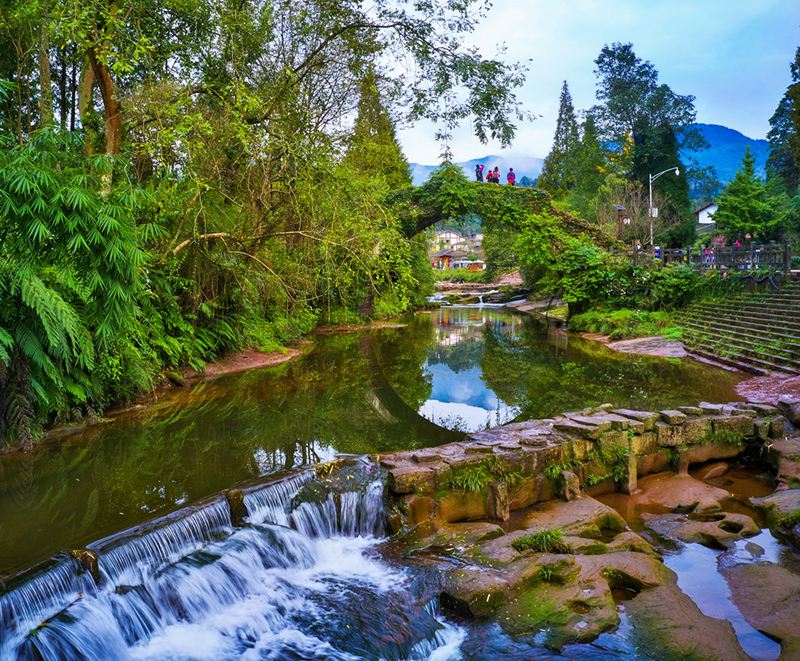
(498, 501)
(683, 460)
(236, 505)
(89, 561)
(568, 486)
(630, 483)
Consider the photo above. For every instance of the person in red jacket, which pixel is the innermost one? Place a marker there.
(511, 177)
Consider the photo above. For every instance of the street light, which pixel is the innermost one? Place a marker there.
(653, 177)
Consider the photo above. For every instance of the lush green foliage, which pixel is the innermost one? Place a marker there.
(203, 192)
(789, 520)
(543, 541)
(476, 477)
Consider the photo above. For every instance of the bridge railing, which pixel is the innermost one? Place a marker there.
(743, 257)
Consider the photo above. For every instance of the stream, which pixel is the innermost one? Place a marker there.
(311, 576)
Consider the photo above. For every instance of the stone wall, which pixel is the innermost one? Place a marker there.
(496, 471)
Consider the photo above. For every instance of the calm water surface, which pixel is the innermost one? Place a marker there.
(360, 393)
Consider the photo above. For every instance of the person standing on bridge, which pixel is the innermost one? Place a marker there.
(479, 172)
(511, 177)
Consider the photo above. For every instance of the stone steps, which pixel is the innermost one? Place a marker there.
(757, 332)
(765, 328)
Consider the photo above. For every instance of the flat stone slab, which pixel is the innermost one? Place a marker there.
(649, 418)
(673, 417)
(673, 491)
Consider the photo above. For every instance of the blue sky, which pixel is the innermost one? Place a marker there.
(732, 55)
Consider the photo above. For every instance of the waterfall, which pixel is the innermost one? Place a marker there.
(300, 580)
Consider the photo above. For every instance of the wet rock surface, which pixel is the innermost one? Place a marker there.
(768, 596)
(482, 512)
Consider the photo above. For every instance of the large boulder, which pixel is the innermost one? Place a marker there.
(782, 511)
(768, 596)
(679, 492)
(670, 627)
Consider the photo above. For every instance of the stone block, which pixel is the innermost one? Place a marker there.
(598, 421)
(531, 463)
(765, 409)
(621, 423)
(698, 454)
(513, 461)
(761, 429)
(645, 443)
(710, 409)
(420, 510)
(737, 424)
(691, 411)
(613, 440)
(523, 493)
(776, 427)
(668, 435)
(750, 413)
(789, 407)
(479, 449)
(653, 463)
(460, 506)
(571, 427)
(412, 479)
(673, 417)
(581, 447)
(647, 417)
(696, 429)
(498, 501)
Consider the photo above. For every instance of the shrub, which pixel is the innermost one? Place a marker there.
(789, 520)
(477, 477)
(544, 541)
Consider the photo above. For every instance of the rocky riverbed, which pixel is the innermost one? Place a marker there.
(531, 547)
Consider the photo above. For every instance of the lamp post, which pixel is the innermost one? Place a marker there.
(653, 177)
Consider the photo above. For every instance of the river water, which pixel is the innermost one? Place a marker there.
(307, 580)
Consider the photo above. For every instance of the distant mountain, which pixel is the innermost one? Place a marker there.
(726, 150)
(524, 166)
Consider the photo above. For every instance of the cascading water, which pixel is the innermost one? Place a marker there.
(300, 581)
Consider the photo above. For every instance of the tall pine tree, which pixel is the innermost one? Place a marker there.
(374, 149)
(783, 162)
(559, 170)
(744, 207)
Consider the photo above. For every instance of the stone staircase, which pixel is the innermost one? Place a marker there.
(756, 332)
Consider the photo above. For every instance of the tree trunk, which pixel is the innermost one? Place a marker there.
(62, 88)
(85, 104)
(113, 116)
(46, 97)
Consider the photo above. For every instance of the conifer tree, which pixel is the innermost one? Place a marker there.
(744, 206)
(559, 169)
(374, 149)
(783, 162)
